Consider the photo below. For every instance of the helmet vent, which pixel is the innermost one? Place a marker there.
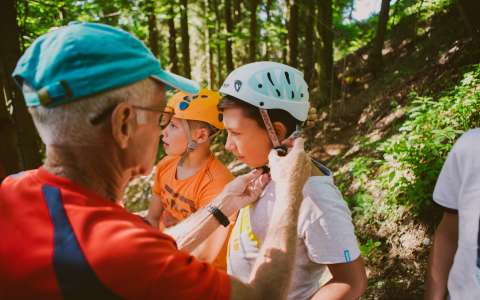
(260, 85)
(287, 76)
(183, 105)
(293, 95)
(301, 95)
(204, 96)
(278, 93)
(261, 103)
(270, 78)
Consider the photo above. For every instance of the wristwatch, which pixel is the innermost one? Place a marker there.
(219, 215)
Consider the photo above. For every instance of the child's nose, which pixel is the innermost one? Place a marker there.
(229, 146)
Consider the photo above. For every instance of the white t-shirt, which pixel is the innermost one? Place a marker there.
(325, 235)
(458, 188)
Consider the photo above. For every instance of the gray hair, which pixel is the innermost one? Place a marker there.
(69, 124)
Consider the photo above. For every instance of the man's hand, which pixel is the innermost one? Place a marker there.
(194, 230)
(246, 189)
(290, 172)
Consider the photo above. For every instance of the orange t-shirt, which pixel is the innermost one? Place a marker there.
(181, 198)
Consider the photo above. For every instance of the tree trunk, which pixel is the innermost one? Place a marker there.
(293, 35)
(237, 6)
(228, 38)
(209, 49)
(469, 11)
(252, 48)
(152, 27)
(218, 44)
(375, 59)
(325, 55)
(27, 139)
(268, 8)
(308, 59)
(9, 156)
(185, 38)
(286, 13)
(172, 40)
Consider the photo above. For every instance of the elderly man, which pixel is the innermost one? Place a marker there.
(96, 95)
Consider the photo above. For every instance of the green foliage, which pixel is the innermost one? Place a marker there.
(394, 178)
(425, 139)
(412, 159)
(351, 35)
(38, 17)
(369, 246)
(139, 192)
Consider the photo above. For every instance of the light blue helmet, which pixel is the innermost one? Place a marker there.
(270, 85)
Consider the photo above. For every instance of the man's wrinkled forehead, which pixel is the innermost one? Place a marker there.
(160, 97)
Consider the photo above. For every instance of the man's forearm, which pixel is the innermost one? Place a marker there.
(209, 249)
(194, 230)
(272, 272)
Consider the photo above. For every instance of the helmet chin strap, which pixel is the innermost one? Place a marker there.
(281, 149)
(191, 144)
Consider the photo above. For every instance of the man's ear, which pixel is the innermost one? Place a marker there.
(280, 130)
(123, 124)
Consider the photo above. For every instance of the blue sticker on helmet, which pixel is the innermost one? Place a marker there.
(183, 105)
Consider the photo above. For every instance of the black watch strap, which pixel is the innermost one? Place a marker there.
(219, 215)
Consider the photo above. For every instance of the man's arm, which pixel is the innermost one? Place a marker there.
(155, 210)
(194, 230)
(349, 281)
(272, 272)
(441, 256)
(209, 249)
(270, 278)
(271, 275)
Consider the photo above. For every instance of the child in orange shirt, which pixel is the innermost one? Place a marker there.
(190, 176)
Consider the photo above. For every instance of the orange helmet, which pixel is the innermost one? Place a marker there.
(199, 107)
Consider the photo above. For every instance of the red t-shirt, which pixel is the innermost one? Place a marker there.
(61, 241)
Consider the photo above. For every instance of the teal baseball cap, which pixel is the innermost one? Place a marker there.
(83, 59)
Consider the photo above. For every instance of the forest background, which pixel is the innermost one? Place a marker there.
(393, 90)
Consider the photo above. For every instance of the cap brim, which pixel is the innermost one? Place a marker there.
(174, 81)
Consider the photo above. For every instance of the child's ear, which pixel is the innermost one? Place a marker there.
(280, 130)
(201, 135)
